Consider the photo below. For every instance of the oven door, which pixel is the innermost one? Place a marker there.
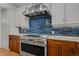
(29, 49)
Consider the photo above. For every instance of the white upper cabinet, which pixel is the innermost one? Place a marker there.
(57, 13)
(66, 14)
(72, 12)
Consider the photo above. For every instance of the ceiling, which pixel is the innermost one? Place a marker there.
(19, 4)
(7, 5)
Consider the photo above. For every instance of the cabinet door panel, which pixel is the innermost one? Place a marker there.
(10, 44)
(72, 12)
(60, 43)
(57, 13)
(77, 49)
(60, 48)
(53, 51)
(67, 52)
(14, 43)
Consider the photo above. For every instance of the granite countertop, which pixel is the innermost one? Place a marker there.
(67, 38)
(57, 37)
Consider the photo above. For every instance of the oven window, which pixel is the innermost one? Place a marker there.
(33, 49)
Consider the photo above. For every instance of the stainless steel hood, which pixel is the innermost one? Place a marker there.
(36, 7)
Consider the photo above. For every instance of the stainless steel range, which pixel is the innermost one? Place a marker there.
(33, 45)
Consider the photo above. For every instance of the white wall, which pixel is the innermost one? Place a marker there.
(5, 28)
(7, 25)
(0, 28)
(17, 19)
(12, 21)
(21, 20)
(11, 17)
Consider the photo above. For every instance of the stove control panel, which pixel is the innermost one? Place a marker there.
(36, 41)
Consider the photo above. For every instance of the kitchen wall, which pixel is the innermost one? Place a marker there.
(18, 19)
(10, 18)
(65, 18)
(56, 10)
(12, 21)
(13, 17)
(5, 28)
(7, 25)
(0, 28)
(21, 20)
(62, 14)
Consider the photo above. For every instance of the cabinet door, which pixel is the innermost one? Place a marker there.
(77, 49)
(67, 51)
(57, 13)
(59, 51)
(53, 51)
(11, 43)
(60, 48)
(14, 43)
(72, 12)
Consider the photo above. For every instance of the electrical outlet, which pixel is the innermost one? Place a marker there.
(53, 32)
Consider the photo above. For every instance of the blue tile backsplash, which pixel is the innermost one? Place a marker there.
(66, 31)
(40, 25)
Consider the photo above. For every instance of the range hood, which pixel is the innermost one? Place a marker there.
(36, 9)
